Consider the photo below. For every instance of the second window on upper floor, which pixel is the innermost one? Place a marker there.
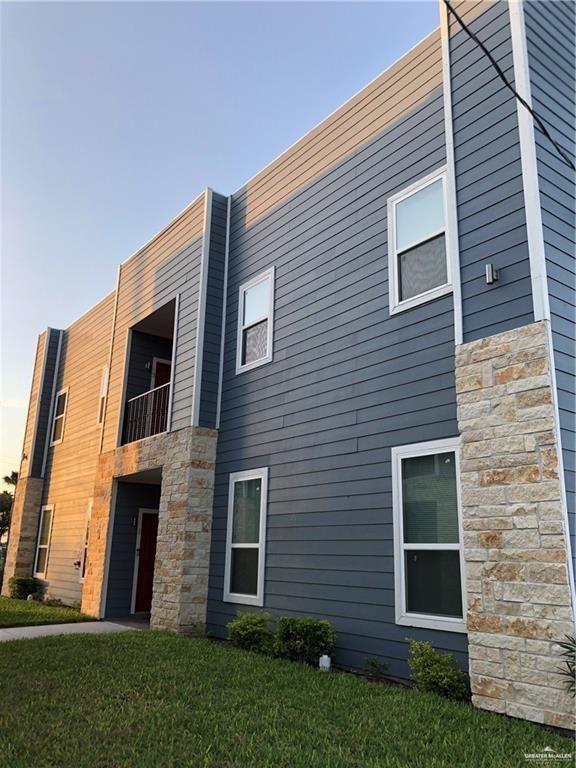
(60, 407)
(418, 263)
(255, 322)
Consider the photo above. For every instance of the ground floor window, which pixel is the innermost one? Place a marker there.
(43, 542)
(427, 535)
(245, 537)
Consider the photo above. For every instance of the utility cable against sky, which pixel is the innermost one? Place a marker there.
(540, 125)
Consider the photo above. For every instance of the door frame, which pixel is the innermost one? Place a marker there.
(141, 511)
(155, 361)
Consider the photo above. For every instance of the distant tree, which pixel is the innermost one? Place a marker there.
(5, 512)
(11, 479)
(6, 499)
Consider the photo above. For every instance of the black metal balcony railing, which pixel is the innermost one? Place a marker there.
(146, 414)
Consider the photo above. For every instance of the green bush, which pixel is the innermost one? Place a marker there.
(250, 631)
(375, 669)
(568, 671)
(303, 639)
(20, 587)
(436, 672)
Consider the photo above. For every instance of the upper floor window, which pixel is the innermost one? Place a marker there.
(43, 542)
(418, 264)
(428, 557)
(59, 417)
(255, 322)
(245, 537)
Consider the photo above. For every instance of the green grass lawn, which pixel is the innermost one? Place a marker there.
(24, 613)
(156, 700)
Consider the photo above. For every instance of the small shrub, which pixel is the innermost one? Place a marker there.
(20, 587)
(436, 672)
(302, 639)
(377, 670)
(568, 671)
(54, 602)
(250, 631)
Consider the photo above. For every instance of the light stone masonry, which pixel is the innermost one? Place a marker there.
(520, 601)
(187, 458)
(23, 529)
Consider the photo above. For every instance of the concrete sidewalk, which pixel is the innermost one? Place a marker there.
(84, 628)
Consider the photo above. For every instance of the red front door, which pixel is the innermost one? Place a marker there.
(146, 553)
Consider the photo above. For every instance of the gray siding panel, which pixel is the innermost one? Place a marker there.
(213, 317)
(347, 382)
(45, 400)
(144, 347)
(489, 190)
(553, 86)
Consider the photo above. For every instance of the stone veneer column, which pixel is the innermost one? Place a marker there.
(23, 529)
(515, 548)
(187, 459)
(184, 532)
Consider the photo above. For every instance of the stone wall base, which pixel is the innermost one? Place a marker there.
(187, 459)
(515, 543)
(23, 529)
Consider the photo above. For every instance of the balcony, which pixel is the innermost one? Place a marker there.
(146, 414)
(148, 377)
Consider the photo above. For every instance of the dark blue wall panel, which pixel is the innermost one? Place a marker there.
(553, 87)
(347, 382)
(489, 187)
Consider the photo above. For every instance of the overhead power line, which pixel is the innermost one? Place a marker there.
(540, 124)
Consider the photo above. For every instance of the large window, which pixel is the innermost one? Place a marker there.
(43, 542)
(428, 543)
(255, 322)
(245, 537)
(59, 417)
(418, 265)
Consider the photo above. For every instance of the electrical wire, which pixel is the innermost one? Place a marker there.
(535, 116)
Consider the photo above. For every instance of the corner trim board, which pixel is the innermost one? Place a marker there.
(201, 318)
(531, 189)
(173, 361)
(451, 208)
(224, 300)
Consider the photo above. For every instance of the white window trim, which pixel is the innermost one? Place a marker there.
(240, 368)
(393, 283)
(155, 361)
(85, 540)
(37, 573)
(63, 391)
(234, 597)
(403, 617)
(102, 396)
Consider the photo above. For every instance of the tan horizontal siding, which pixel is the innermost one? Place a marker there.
(33, 404)
(394, 93)
(71, 465)
(168, 265)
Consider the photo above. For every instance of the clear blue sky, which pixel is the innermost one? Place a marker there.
(115, 115)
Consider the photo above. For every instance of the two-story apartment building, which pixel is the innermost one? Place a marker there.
(345, 390)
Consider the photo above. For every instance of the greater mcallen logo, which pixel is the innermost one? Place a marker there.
(548, 754)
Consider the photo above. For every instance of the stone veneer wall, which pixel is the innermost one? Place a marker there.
(23, 529)
(515, 546)
(187, 458)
